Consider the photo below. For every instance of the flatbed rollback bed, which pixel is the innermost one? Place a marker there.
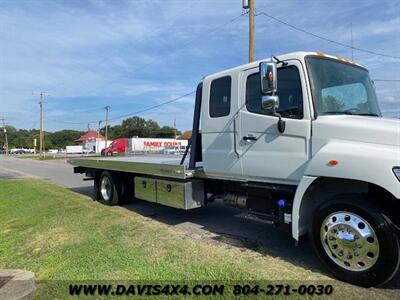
(154, 178)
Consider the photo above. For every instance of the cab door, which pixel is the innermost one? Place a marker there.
(267, 154)
(219, 126)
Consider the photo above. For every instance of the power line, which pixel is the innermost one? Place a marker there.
(387, 80)
(162, 57)
(87, 110)
(73, 123)
(152, 107)
(75, 112)
(148, 36)
(130, 114)
(324, 38)
(152, 62)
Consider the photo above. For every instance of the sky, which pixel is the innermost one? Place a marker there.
(132, 55)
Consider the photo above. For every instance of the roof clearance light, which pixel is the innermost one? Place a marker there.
(396, 171)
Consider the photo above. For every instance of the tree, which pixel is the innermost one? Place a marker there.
(60, 139)
(151, 128)
(137, 126)
(167, 132)
(115, 132)
(134, 126)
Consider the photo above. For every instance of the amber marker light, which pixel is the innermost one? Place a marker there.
(333, 163)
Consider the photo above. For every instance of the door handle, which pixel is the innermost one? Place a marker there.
(249, 138)
(234, 137)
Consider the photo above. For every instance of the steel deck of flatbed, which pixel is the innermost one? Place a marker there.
(155, 165)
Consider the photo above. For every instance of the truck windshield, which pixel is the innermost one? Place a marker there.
(341, 88)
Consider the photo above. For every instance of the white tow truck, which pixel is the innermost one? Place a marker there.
(297, 140)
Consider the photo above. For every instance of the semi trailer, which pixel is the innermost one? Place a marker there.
(144, 145)
(296, 141)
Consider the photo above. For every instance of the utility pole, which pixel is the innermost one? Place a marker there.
(107, 108)
(98, 130)
(41, 136)
(5, 134)
(98, 137)
(175, 127)
(88, 127)
(251, 30)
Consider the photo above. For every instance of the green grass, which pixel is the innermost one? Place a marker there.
(63, 236)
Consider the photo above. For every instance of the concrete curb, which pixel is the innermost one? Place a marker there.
(17, 284)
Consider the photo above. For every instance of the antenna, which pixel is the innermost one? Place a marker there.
(351, 41)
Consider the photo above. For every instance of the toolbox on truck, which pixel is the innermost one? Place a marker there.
(145, 189)
(183, 195)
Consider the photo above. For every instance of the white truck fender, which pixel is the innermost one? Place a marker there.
(305, 182)
(364, 162)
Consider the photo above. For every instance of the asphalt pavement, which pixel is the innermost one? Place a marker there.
(57, 171)
(216, 222)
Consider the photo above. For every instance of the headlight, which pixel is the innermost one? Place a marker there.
(396, 171)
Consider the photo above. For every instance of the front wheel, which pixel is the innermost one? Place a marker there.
(356, 240)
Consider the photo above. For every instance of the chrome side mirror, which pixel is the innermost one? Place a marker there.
(269, 87)
(269, 82)
(270, 103)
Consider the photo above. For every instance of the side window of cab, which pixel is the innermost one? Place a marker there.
(220, 97)
(289, 92)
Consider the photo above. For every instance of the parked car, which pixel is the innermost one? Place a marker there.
(17, 151)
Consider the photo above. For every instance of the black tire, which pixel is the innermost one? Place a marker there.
(109, 189)
(384, 265)
(96, 189)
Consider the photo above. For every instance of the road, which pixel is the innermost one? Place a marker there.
(216, 222)
(56, 171)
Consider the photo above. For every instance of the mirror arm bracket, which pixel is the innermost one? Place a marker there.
(281, 123)
(284, 63)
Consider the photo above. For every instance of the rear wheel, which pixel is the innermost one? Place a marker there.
(356, 240)
(109, 189)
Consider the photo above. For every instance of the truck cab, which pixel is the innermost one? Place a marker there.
(310, 121)
(320, 118)
(318, 97)
(119, 145)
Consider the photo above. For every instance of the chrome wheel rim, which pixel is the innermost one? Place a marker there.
(105, 188)
(349, 241)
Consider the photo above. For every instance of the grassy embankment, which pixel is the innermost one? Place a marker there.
(63, 236)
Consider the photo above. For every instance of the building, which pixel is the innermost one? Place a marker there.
(90, 136)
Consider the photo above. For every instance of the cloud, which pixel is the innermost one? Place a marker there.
(135, 54)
